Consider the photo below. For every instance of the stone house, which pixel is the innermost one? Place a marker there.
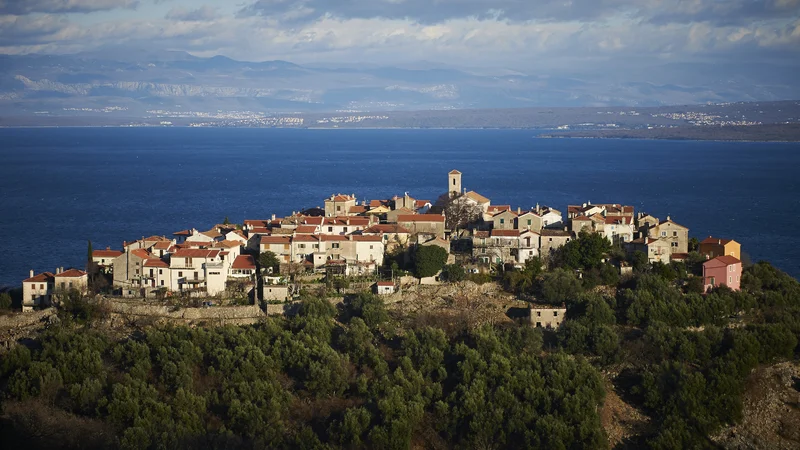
(281, 246)
(547, 316)
(393, 235)
(339, 205)
(712, 247)
(504, 220)
(677, 235)
(581, 223)
(655, 249)
(275, 292)
(37, 291)
(551, 239)
(71, 279)
(198, 270)
(723, 270)
(104, 259)
(156, 274)
(128, 268)
(422, 223)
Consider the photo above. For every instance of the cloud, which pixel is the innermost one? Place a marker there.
(19, 7)
(202, 14)
(435, 11)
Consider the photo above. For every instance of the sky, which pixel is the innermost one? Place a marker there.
(525, 34)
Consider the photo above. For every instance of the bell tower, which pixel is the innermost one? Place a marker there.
(454, 183)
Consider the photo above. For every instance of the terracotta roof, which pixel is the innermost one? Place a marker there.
(244, 262)
(724, 259)
(454, 172)
(420, 218)
(44, 277)
(313, 220)
(275, 239)
(481, 234)
(386, 228)
(228, 244)
(505, 233)
(141, 253)
(713, 240)
(106, 253)
(581, 219)
(163, 245)
(678, 256)
(346, 220)
(421, 203)
(155, 262)
(376, 203)
(477, 197)
(71, 273)
(331, 237)
(340, 198)
(366, 238)
(385, 283)
(257, 223)
(560, 233)
(505, 211)
(213, 234)
(305, 238)
(182, 233)
(498, 208)
(195, 253)
(306, 229)
(358, 209)
(260, 230)
(611, 220)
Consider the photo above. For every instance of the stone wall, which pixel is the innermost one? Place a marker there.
(16, 326)
(122, 311)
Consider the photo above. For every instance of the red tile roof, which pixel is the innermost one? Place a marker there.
(44, 277)
(331, 237)
(481, 234)
(358, 209)
(365, 238)
(454, 172)
(106, 253)
(724, 259)
(305, 238)
(498, 208)
(556, 233)
(182, 233)
(163, 245)
(386, 228)
(71, 273)
(420, 218)
(275, 239)
(155, 262)
(306, 229)
(581, 219)
(713, 240)
(385, 283)
(257, 223)
(421, 203)
(341, 198)
(228, 244)
(313, 220)
(141, 253)
(244, 262)
(505, 233)
(195, 253)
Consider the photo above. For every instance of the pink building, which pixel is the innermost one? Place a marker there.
(722, 271)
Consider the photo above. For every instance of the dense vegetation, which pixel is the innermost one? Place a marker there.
(359, 377)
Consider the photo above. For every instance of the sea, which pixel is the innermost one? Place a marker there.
(63, 187)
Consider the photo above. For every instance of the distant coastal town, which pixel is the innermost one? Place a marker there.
(379, 241)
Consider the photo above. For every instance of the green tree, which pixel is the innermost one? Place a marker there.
(454, 273)
(268, 260)
(429, 260)
(226, 221)
(559, 286)
(586, 252)
(5, 300)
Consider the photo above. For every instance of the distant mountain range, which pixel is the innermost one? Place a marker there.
(132, 83)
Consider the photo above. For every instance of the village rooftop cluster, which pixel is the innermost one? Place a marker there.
(351, 238)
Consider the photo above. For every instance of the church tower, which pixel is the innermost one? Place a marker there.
(454, 183)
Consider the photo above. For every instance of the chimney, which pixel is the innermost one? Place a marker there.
(31, 274)
(519, 210)
(584, 204)
(667, 218)
(590, 203)
(719, 241)
(108, 248)
(273, 217)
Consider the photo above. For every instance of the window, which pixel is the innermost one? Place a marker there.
(674, 244)
(161, 271)
(162, 282)
(302, 245)
(137, 273)
(551, 239)
(335, 245)
(713, 281)
(180, 274)
(730, 279)
(454, 181)
(41, 286)
(344, 229)
(529, 221)
(663, 234)
(675, 233)
(539, 324)
(33, 297)
(338, 208)
(330, 229)
(730, 268)
(538, 314)
(555, 313)
(370, 247)
(502, 221)
(483, 250)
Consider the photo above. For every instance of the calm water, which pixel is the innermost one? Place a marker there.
(62, 187)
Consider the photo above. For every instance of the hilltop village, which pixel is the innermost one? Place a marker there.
(351, 239)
